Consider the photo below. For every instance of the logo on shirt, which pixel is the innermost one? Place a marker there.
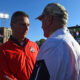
(32, 49)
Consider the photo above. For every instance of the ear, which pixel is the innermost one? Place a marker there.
(12, 25)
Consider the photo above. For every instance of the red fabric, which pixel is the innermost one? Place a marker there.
(17, 62)
(6, 76)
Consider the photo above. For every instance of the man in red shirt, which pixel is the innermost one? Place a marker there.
(18, 54)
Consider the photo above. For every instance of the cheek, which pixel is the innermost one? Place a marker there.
(44, 26)
(16, 29)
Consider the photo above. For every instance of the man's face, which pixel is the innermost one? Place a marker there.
(46, 26)
(20, 27)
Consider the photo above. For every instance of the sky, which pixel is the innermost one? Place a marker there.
(34, 8)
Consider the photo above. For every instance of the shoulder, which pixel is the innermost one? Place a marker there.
(53, 46)
(32, 43)
(52, 42)
(5, 45)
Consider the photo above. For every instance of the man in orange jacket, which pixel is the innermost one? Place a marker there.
(18, 54)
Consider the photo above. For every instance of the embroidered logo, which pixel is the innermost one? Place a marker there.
(32, 49)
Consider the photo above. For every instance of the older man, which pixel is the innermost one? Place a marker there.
(18, 54)
(59, 56)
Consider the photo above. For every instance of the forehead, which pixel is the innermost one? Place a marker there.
(22, 19)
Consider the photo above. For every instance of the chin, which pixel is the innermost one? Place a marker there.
(46, 36)
(24, 36)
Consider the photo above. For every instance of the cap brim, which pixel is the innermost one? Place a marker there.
(39, 17)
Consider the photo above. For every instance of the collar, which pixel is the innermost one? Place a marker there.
(59, 31)
(17, 42)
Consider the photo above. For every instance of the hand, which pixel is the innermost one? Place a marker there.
(7, 78)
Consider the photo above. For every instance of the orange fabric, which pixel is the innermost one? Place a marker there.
(17, 62)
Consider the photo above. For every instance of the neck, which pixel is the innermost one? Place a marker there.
(20, 39)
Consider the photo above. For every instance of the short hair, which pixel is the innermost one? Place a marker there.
(17, 14)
